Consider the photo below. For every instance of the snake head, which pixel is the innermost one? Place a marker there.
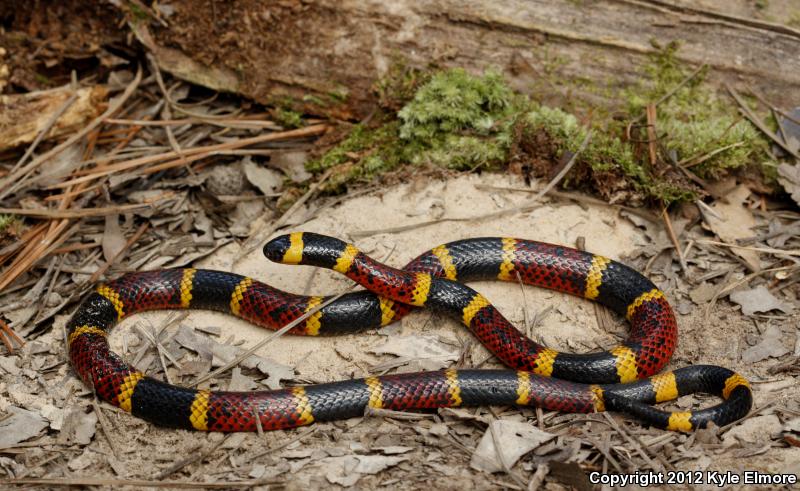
(305, 248)
(286, 249)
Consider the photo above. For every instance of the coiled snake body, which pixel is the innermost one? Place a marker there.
(622, 379)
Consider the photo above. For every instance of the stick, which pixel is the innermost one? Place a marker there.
(674, 239)
(78, 213)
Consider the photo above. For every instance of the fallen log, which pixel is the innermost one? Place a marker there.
(326, 55)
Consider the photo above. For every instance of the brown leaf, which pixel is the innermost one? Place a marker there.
(789, 177)
(734, 221)
(113, 239)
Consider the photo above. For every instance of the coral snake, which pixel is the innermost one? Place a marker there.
(622, 379)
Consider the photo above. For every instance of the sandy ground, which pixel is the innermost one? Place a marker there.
(322, 358)
(563, 322)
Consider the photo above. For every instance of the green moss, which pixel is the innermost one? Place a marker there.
(287, 118)
(42, 79)
(312, 99)
(139, 13)
(453, 120)
(401, 82)
(7, 222)
(794, 19)
(694, 121)
(461, 121)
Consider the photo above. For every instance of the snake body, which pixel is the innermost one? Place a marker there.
(621, 379)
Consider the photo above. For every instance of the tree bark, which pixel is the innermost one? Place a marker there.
(326, 55)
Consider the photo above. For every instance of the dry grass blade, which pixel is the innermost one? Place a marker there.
(765, 250)
(45, 130)
(674, 239)
(79, 213)
(191, 154)
(119, 255)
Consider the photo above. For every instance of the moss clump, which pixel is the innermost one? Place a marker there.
(6, 221)
(10, 227)
(365, 152)
(606, 162)
(453, 120)
(460, 121)
(287, 118)
(693, 121)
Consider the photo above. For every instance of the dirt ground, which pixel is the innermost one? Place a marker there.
(377, 452)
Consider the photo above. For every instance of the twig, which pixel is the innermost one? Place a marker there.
(772, 107)
(5, 330)
(529, 205)
(570, 164)
(635, 444)
(45, 130)
(735, 284)
(160, 350)
(651, 135)
(104, 425)
(121, 253)
(191, 154)
(674, 239)
(190, 459)
(257, 238)
(538, 477)
(391, 413)
(78, 213)
(300, 436)
(575, 197)
(675, 89)
(765, 250)
(699, 159)
(502, 458)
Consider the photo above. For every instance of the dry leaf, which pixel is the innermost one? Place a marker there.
(78, 427)
(517, 438)
(789, 177)
(431, 353)
(757, 429)
(771, 344)
(293, 164)
(268, 181)
(348, 469)
(20, 426)
(759, 299)
(113, 239)
(734, 221)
